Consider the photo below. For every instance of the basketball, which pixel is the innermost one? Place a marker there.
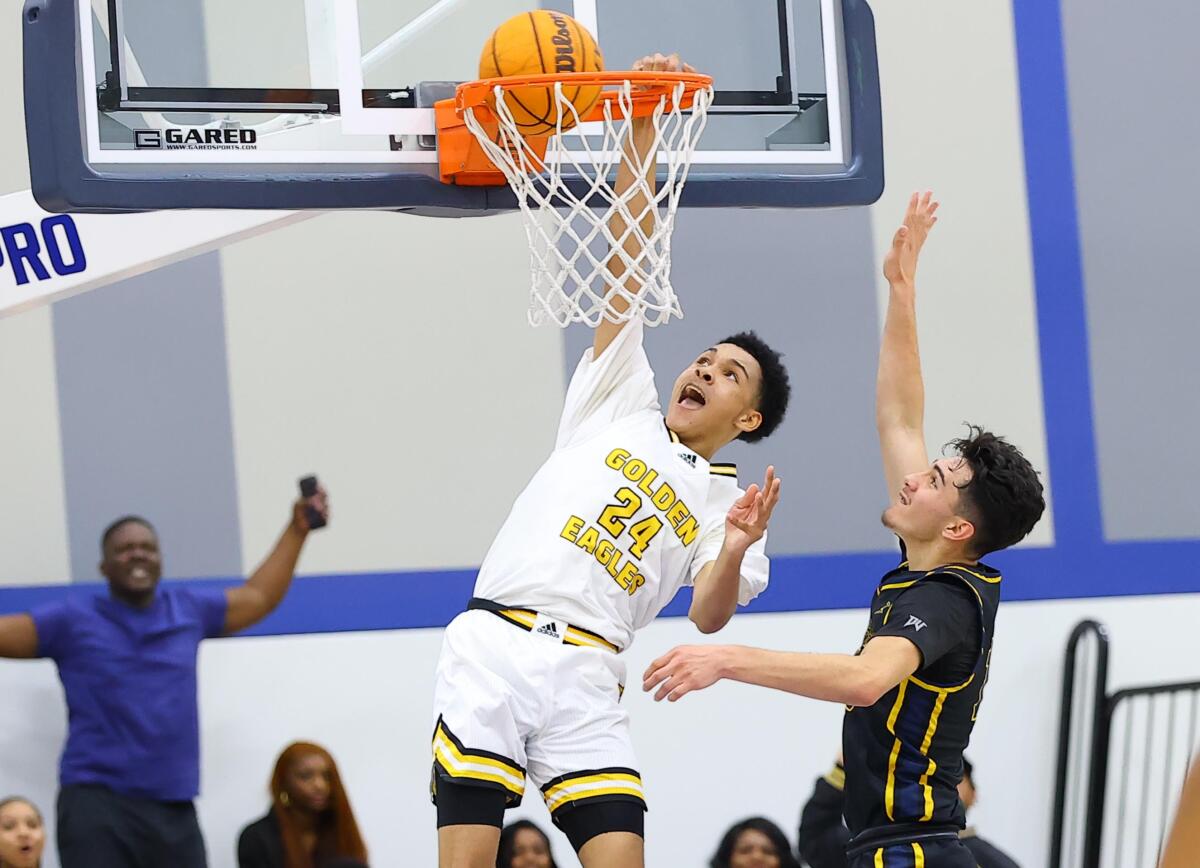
(542, 41)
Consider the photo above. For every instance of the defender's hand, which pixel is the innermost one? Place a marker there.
(746, 521)
(684, 669)
(900, 264)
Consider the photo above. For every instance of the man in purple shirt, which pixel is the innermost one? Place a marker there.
(127, 660)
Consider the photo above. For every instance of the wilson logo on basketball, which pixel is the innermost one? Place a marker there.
(564, 58)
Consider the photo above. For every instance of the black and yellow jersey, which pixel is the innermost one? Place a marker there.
(903, 755)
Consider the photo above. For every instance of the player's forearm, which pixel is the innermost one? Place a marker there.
(715, 595)
(900, 391)
(274, 576)
(639, 151)
(839, 678)
(18, 636)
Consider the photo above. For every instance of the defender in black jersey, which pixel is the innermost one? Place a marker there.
(914, 687)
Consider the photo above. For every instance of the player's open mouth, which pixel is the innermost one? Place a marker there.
(902, 498)
(691, 398)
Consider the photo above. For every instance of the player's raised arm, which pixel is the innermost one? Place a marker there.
(640, 150)
(900, 392)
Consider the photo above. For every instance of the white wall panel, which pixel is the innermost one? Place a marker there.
(391, 356)
(33, 519)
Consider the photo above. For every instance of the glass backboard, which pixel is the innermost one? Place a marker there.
(138, 104)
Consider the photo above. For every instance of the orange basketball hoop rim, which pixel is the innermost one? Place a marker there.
(463, 161)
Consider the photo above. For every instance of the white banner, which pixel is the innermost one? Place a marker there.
(45, 257)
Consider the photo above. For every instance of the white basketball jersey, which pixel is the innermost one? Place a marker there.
(621, 515)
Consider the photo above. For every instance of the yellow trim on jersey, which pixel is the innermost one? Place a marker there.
(933, 688)
(918, 855)
(836, 777)
(933, 722)
(923, 783)
(879, 858)
(991, 580)
(897, 585)
(723, 470)
(889, 790)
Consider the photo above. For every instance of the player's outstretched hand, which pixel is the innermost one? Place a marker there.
(643, 127)
(319, 502)
(682, 670)
(746, 521)
(900, 264)
(662, 63)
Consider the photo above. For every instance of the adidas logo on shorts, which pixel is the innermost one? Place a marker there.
(550, 629)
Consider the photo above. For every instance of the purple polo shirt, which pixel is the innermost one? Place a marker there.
(130, 681)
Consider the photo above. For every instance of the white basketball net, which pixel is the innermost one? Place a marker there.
(568, 201)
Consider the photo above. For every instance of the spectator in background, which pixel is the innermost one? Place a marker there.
(310, 823)
(754, 843)
(127, 661)
(823, 834)
(524, 845)
(987, 855)
(22, 835)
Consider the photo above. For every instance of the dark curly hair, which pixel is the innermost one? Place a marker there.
(1004, 498)
(783, 849)
(775, 390)
(508, 843)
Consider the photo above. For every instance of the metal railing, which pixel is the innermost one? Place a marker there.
(1122, 759)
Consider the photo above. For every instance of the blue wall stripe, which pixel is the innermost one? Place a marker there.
(1058, 272)
(397, 601)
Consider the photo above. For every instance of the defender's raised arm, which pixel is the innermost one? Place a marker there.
(900, 392)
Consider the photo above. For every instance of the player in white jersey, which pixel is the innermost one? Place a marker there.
(628, 508)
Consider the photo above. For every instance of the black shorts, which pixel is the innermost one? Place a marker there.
(98, 828)
(468, 805)
(936, 853)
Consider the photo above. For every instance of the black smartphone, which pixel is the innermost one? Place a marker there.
(308, 487)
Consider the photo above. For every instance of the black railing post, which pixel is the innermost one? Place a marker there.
(1099, 729)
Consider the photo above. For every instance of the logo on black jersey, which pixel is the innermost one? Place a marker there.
(916, 623)
(689, 458)
(551, 630)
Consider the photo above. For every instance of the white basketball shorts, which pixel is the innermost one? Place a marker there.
(511, 702)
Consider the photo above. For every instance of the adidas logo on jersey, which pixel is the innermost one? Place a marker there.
(550, 629)
(689, 458)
